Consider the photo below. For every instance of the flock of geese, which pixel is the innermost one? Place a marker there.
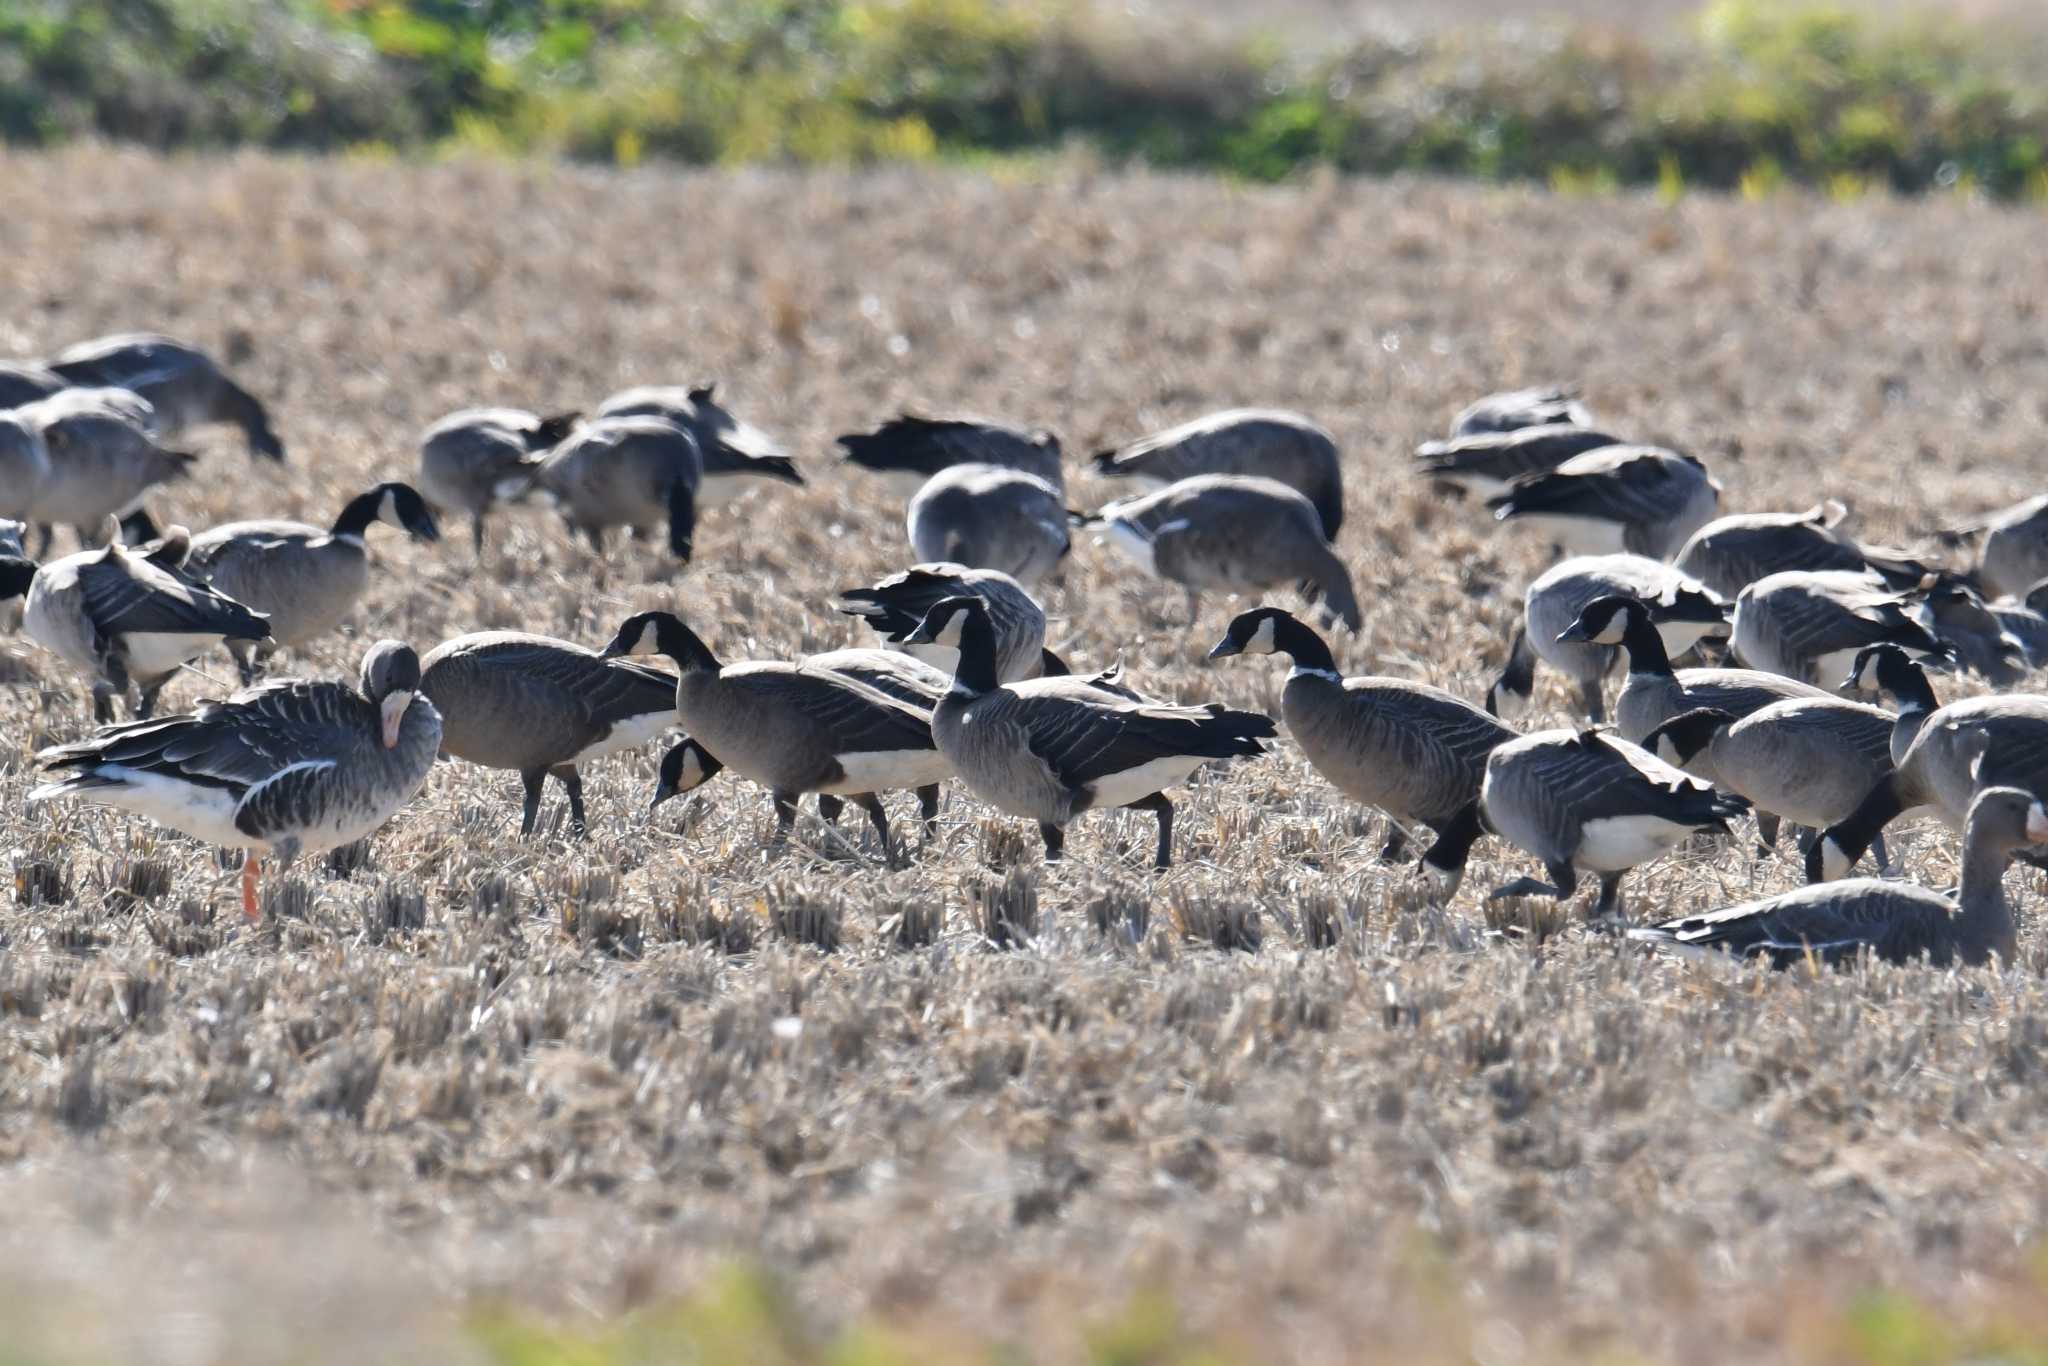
(1649, 573)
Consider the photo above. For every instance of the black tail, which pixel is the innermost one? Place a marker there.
(1227, 733)
(773, 467)
(1051, 665)
(1844, 843)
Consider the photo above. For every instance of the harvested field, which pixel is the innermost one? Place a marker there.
(577, 1077)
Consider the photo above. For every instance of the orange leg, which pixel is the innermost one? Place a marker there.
(251, 866)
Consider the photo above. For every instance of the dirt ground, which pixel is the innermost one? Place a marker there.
(576, 1076)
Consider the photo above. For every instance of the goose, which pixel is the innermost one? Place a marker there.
(910, 449)
(1835, 922)
(539, 706)
(636, 472)
(472, 460)
(1414, 751)
(1545, 405)
(100, 457)
(1484, 464)
(117, 616)
(990, 518)
(2025, 620)
(1973, 633)
(1654, 693)
(1805, 760)
(288, 767)
(1584, 799)
(2014, 554)
(1730, 553)
(1643, 499)
(1232, 533)
(1811, 625)
(732, 452)
(1955, 751)
(1270, 442)
(792, 728)
(24, 465)
(1897, 678)
(184, 384)
(305, 580)
(1048, 749)
(910, 681)
(895, 606)
(1684, 611)
(25, 382)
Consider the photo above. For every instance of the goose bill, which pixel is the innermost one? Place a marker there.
(393, 711)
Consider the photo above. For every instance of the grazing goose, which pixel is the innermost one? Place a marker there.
(990, 518)
(686, 767)
(473, 460)
(909, 449)
(1805, 760)
(1483, 465)
(1643, 499)
(2014, 556)
(1730, 553)
(289, 767)
(1415, 752)
(1836, 922)
(305, 580)
(117, 616)
(1683, 610)
(792, 728)
(183, 383)
(1584, 799)
(540, 706)
(1269, 442)
(1897, 678)
(1544, 406)
(1955, 752)
(25, 382)
(910, 681)
(24, 465)
(732, 451)
(1234, 534)
(1959, 617)
(635, 472)
(1048, 749)
(2026, 620)
(897, 605)
(100, 457)
(1811, 625)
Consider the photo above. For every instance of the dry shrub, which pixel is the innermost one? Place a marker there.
(1004, 910)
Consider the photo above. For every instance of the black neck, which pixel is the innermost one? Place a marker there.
(976, 671)
(1301, 644)
(1908, 682)
(1646, 654)
(362, 510)
(16, 574)
(683, 645)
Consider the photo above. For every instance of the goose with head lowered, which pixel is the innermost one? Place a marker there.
(1837, 922)
(100, 456)
(303, 579)
(1048, 749)
(909, 450)
(1683, 610)
(1269, 442)
(1642, 499)
(1233, 534)
(635, 472)
(186, 386)
(2013, 555)
(118, 616)
(1483, 465)
(1898, 679)
(288, 767)
(896, 606)
(473, 460)
(1810, 625)
(1730, 553)
(1513, 409)
(540, 706)
(990, 518)
(734, 453)
(1416, 752)
(1956, 614)
(792, 728)
(1584, 799)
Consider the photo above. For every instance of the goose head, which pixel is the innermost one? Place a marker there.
(1261, 631)
(1605, 621)
(660, 633)
(1685, 735)
(685, 768)
(2011, 816)
(949, 622)
(391, 677)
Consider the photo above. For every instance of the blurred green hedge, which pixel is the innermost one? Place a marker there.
(1750, 95)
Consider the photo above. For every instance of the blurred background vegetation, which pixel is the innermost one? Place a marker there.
(1743, 94)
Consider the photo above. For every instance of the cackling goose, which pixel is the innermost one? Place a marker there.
(1269, 442)
(1730, 553)
(1836, 922)
(183, 382)
(1811, 625)
(1546, 405)
(2014, 556)
(1484, 465)
(636, 472)
(287, 767)
(910, 681)
(471, 461)
(1957, 615)
(540, 706)
(1048, 749)
(897, 605)
(990, 518)
(910, 449)
(1643, 499)
(1898, 678)
(2025, 620)
(305, 580)
(1234, 534)
(732, 452)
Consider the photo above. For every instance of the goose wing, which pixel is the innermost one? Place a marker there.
(1593, 777)
(1616, 484)
(1084, 734)
(1829, 922)
(125, 595)
(1510, 455)
(850, 716)
(606, 691)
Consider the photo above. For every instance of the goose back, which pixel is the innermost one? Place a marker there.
(1642, 499)
(184, 384)
(513, 700)
(1509, 410)
(990, 517)
(895, 606)
(1484, 464)
(1811, 625)
(639, 472)
(730, 450)
(910, 449)
(1268, 442)
(1588, 799)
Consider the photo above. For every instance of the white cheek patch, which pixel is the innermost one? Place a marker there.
(949, 634)
(387, 511)
(1610, 634)
(1262, 639)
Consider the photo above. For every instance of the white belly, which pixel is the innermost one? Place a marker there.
(205, 813)
(1121, 789)
(1618, 843)
(888, 770)
(153, 655)
(629, 734)
(1134, 544)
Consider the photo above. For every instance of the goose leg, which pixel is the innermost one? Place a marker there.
(1766, 834)
(1609, 904)
(573, 781)
(1564, 880)
(872, 804)
(533, 779)
(45, 533)
(243, 664)
(1592, 701)
(785, 816)
(928, 809)
(1055, 841)
(1397, 842)
(103, 704)
(476, 535)
(1194, 608)
(1880, 853)
(1158, 804)
(829, 807)
(146, 706)
(252, 867)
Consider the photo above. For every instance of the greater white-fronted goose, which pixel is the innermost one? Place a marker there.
(1642, 499)
(541, 706)
(118, 617)
(990, 518)
(732, 451)
(1541, 406)
(910, 449)
(100, 457)
(1414, 751)
(1233, 534)
(897, 605)
(25, 382)
(1683, 610)
(304, 580)
(2014, 555)
(792, 728)
(471, 461)
(1837, 922)
(1730, 553)
(635, 472)
(1048, 749)
(1811, 625)
(1585, 800)
(1272, 443)
(184, 384)
(289, 767)
(1483, 465)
